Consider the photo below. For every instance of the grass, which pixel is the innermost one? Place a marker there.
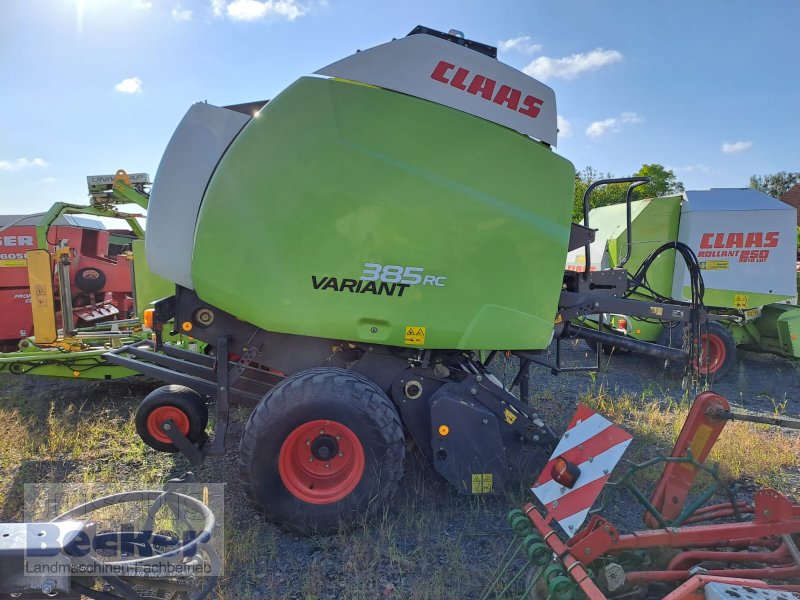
(758, 453)
(428, 543)
(71, 438)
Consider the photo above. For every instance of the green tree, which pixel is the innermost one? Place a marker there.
(776, 184)
(663, 183)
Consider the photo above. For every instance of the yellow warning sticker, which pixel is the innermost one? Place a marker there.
(656, 310)
(559, 319)
(752, 313)
(509, 416)
(482, 483)
(415, 336)
(714, 265)
(741, 300)
(14, 262)
(476, 483)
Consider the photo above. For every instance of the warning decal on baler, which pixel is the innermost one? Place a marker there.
(595, 446)
(741, 300)
(482, 483)
(415, 336)
(714, 265)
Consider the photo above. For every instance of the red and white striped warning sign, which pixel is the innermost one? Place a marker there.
(595, 445)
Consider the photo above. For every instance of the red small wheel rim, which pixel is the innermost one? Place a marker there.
(713, 354)
(321, 462)
(160, 415)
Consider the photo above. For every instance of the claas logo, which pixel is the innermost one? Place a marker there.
(750, 247)
(479, 85)
(754, 239)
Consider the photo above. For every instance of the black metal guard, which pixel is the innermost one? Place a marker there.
(633, 180)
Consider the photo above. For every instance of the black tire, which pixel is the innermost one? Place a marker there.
(90, 279)
(163, 402)
(351, 402)
(719, 338)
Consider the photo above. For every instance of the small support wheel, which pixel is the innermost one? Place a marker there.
(185, 407)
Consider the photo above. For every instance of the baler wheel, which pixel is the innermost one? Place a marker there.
(177, 402)
(718, 355)
(321, 451)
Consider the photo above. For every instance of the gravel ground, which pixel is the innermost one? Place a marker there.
(758, 382)
(430, 542)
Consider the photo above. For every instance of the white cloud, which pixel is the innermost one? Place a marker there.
(253, 10)
(521, 44)
(570, 67)
(564, 127)
(132, 85)
(599, 128)
(630, 117)
(49, 180)
(614, 124)
(143, 4)
(697, 168)
(181, 14)
(22, 163)
(735, 147)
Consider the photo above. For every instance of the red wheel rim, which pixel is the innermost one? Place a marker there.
(321, 462)
(713, 354)
(160, 415)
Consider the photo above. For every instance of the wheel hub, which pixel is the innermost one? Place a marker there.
(321, 461)
(324, 447)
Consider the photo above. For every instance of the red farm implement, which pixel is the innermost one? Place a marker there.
(731, 550)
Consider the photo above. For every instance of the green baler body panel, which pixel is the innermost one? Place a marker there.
(333, 175)
(149, 286)
(779, 325)
(654, 222)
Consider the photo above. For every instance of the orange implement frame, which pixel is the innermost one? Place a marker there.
(698, 435)
(771, 521)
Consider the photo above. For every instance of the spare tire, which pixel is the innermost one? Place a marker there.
(90, 279)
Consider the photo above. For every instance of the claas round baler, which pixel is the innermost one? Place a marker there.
(745, 243)
(348, 251)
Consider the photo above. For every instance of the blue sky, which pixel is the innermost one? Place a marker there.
(707, 88)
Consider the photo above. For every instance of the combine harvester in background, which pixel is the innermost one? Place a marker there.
(745, 242)
(67, 285)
